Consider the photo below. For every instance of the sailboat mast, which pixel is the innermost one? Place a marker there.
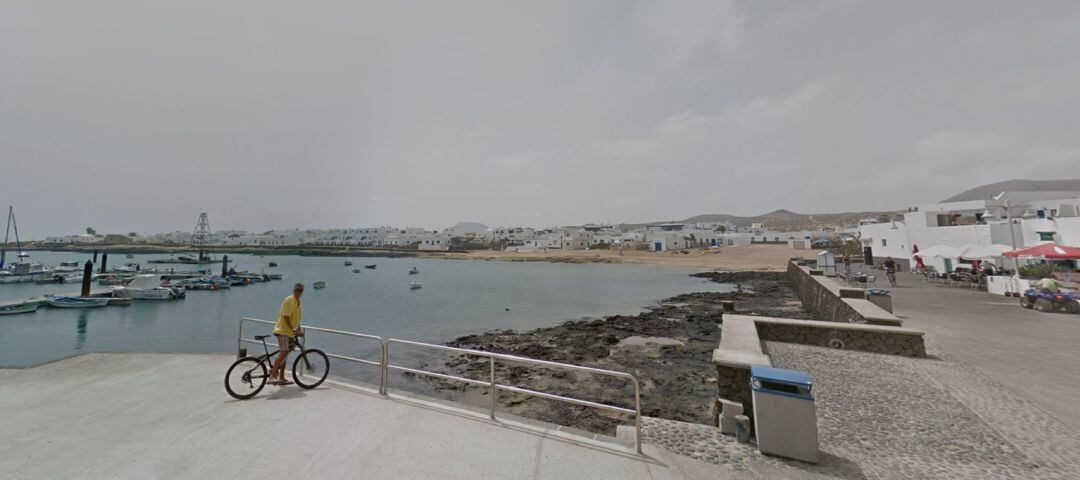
(15, 225)
(3, 248)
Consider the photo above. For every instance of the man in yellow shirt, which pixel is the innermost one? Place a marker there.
(286, 330)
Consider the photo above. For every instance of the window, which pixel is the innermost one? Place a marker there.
(884, 243)
(1046, 236)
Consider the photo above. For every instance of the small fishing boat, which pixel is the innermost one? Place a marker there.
(129, 256)
(348, 263)
(148, 287)
(25, 307)
(372, 266)
(319, 284)
(113, 280)
(273, 276)
(415, 285)
(356, 270)
(53, 279)
(414, 271)
(68, 267)
(59, 301)
(273, 264)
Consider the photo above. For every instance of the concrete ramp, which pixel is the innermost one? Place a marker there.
(145, 416)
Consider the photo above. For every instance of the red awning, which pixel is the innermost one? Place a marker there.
(1048, 251)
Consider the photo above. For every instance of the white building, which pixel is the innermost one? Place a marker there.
(1036, 218)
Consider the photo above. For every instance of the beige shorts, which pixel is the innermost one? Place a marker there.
(285, 344)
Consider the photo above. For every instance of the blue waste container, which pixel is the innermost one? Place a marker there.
(785, 417)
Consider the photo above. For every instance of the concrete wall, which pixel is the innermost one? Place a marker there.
(825, 299)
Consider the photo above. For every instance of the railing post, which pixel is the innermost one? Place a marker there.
(239, 335)
(385, 360)
(637, 416)
(494, 389)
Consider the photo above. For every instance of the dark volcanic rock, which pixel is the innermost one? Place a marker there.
(677, 379)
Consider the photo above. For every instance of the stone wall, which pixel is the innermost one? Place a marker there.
(819, 300)
(733, 383)
(828, 301)
(877, 341)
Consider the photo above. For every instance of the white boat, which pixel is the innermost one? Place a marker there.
(22, 270)
(59, 301)
(415, 285)
(414, 271)
(69, 267)
(148, 287)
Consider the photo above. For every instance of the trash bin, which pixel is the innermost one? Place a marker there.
(785, 419)
(880, 297)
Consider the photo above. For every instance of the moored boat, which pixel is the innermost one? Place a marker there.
(25, 307)
(415, 285)
(348, 263)
(356, 270)
(68, 267)
(22, 270)
(148, 287)
(372, 266)
(414, 271)
(319, 284)
(60, 301)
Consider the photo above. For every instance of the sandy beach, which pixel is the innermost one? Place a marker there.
(753, 257)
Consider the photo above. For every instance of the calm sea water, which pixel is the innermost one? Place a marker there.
(458, 297)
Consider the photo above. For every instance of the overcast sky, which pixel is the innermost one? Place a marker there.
(134, 115)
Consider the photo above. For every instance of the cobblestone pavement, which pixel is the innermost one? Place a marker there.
(889, 417)
(709, 444)
(928, 418)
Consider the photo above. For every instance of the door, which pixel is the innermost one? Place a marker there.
(659, 246)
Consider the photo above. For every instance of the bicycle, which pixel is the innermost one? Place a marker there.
(247, 376)
(891, 273)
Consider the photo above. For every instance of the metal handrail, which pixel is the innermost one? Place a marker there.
(381, 363)
(495, 387)
(385, 366)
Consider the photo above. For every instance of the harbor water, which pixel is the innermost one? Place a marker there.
(458, 297)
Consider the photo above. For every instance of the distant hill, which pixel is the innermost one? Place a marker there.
(987, 191)
(788, 220)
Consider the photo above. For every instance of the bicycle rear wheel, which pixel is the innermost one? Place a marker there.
(245, 378)
(310, 369)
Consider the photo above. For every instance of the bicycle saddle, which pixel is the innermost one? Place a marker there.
(261, 337)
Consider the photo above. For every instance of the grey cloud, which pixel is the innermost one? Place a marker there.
(131, 116)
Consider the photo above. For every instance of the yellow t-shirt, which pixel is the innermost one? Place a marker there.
(289, 308)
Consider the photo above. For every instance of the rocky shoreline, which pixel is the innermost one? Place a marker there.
(668, 348)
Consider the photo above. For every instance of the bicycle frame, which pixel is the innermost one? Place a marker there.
(268, 355)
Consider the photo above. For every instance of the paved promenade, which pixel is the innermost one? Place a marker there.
(145, 416)
(1033, 353)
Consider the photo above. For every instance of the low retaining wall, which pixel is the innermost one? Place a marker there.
(827, 300)
(733, 383)
(741, 336)
(868, 338)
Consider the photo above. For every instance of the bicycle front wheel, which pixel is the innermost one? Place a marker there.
(245, 378)
(310, 369)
